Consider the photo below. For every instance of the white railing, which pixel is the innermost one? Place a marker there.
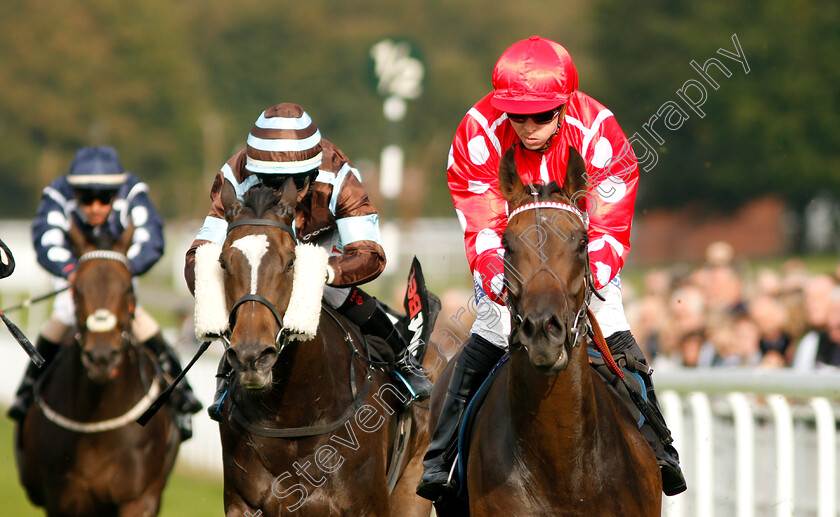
(753, 442)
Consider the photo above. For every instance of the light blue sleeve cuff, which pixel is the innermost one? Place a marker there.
(214, 230)
(360, 228)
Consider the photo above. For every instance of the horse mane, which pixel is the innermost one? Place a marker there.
(264, 201)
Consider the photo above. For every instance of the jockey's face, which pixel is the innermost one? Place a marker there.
(96, 205)
(534, 130)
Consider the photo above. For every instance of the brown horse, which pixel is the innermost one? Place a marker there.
(550, 437)
(79, 451)
(308, 424)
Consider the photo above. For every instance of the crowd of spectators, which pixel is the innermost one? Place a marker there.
(727, 313)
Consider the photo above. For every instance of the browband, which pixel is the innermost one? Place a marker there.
(263, 222)
(552, 205)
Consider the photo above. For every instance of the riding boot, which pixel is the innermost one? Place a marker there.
(186, 400)
(222, 383)
(471, 370)
(406, 367)
(25, 395)
(654, 429)
(370, 316)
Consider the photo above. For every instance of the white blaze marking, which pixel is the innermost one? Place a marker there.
(253, 247)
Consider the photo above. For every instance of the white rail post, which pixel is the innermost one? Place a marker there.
(826, 455)
(703, 454)
(784, 455)
(745, 454)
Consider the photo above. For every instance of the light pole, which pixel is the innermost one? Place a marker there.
(398, 73)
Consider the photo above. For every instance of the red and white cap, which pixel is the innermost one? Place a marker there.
(284, 140)
(533, 76)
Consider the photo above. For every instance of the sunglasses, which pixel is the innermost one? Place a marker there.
(540, 118)
(276, 181)
(87, 196)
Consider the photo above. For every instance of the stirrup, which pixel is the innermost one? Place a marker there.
(437, 490)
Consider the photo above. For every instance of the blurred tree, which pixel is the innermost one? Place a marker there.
(95, 73)
(771, 130)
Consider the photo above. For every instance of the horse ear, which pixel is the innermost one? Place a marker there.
(575, 181)
(509, 181)
(290, 193)
(124, 241)
(78, 240)
(229, 201)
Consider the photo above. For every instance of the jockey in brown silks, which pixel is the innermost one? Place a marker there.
(333, 211)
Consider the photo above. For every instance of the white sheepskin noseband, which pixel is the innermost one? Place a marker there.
(302, 315)
(304, 310)
(211, 314)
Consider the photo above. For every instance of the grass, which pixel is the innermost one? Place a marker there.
(187, 494)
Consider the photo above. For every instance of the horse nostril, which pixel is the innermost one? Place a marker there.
(528, 327)
(233, 359)
(266, 358)
(556, 326)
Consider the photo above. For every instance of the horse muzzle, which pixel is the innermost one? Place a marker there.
(253, 364)
(544, 336)
(100, 363)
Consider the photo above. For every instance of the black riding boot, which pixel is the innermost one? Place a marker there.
(365, 311)
(26, 390)
(222, 383)
(187, 402)
(654, 429)
(471, 369)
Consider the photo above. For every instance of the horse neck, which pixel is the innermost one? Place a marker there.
(554, 407)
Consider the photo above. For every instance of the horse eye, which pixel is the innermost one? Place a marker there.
(222, 263)
(584, 242)
(291, 265)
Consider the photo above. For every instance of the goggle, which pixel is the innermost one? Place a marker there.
(276, 181)
(540, 118)
(88, 196)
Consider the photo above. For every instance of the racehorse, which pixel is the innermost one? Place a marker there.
(550, 437)
(78, 450)
(309, 420)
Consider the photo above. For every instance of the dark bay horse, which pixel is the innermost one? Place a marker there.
(78, 450)
(551, 438)
(307, 424)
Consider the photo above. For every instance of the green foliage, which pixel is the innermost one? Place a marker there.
(769, 131)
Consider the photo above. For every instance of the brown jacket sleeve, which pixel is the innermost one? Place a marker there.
(362, 259)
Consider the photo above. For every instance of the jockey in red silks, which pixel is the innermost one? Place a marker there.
(333, 211)
(536, 104)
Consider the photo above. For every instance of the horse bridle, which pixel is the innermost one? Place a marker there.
(282, 338)
(579, 326)
(121, 258)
